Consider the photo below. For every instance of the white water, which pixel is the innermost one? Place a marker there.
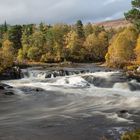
(78, 86)
(72, 97)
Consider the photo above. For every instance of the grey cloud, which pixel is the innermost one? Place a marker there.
(52, 11)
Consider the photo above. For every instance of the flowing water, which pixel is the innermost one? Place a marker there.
(82, 103)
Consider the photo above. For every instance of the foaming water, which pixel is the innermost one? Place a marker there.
(91, 99)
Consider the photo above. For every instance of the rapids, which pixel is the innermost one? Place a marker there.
(82, 103)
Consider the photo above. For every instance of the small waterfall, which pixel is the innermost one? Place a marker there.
(43, 74)
(115, 80)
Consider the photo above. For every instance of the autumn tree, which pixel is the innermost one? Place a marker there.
(37, 42)
(73, 48)
(98, 29)
(6, 55)
(137, 50)
(121, 50)
(55, 42)
(96, 47)
(48, 55)
(88, 29)
(27, 31)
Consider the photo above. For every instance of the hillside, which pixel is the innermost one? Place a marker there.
(114, 23)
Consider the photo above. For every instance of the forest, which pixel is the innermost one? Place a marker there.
(72, 43)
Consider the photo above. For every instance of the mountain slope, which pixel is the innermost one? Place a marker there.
(114, 23)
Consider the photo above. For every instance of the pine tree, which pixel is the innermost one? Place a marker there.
(5, 27)
(80, 29)
(15, 35)
(134, 14)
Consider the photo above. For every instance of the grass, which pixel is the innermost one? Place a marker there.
(135, 135)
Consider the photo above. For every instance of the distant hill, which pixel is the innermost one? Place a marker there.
(114, 23)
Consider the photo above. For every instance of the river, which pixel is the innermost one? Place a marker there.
(86, 102)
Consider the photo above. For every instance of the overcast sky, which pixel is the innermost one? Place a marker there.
(66, 11)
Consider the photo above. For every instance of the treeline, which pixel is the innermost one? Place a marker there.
(57, 43)
(74, 43)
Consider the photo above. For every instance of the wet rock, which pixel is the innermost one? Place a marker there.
(9, 87)
(82, 71)
(98, 81)
(10, 93)
(31, 90)
(48, 76)
(2, 88)
(38, 89)
(54, 74)
(77, 72)
(123, 111)
(133, 75)
(62, 73)
(67, 73)
(134, 86)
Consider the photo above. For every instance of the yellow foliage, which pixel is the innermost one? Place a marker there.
(137, 50)
(121, 50)
(96, 46)
(6, 55)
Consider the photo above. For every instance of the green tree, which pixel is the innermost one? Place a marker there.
(3, 32)
(134, 14)
(5, 27)
(15, 35)
(80, 29)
